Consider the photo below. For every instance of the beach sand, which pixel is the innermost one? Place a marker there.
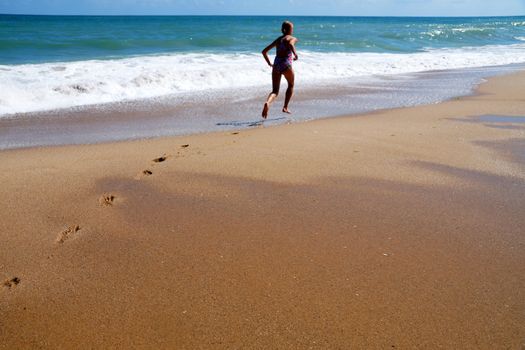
(397, 229)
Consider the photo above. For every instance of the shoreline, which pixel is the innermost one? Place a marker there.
(401, 228)
(185, 115)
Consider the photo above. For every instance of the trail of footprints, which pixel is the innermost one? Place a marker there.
(105, 200)
(161, 159)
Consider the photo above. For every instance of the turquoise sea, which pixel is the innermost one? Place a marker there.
(39, 39)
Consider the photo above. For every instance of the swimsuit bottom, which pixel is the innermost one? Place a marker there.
(282, 64)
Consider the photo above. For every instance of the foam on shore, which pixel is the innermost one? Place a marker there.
(47, 86)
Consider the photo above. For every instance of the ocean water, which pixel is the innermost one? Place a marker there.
(88, 79)
(56, 62)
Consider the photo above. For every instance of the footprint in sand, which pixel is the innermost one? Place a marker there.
(67, 233)
(10, 283)
(185, 146)
(107, 200)
(160, 159)
(143, 173)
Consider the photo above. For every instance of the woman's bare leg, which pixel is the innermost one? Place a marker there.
(290, 78)
(276, 82)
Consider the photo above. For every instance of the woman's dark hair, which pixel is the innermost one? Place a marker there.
(286, 27)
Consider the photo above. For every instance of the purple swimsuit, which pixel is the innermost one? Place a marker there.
(282, 64)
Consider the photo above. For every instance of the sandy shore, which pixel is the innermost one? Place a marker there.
(400, 229)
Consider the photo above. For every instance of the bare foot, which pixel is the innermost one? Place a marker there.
(265, 110)
(286, 110)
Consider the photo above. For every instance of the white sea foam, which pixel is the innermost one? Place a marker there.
(472, 29)
(37, 87)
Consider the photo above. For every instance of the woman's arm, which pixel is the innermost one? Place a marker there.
(265, 52)
(292, 45)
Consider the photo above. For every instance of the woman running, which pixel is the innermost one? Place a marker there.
(282, 65)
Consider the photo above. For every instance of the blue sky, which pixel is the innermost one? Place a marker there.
(269, 7)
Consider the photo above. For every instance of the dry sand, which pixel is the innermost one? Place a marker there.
(398, 229)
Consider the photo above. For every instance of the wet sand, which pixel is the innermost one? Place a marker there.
(186, 114)
(398, 229)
